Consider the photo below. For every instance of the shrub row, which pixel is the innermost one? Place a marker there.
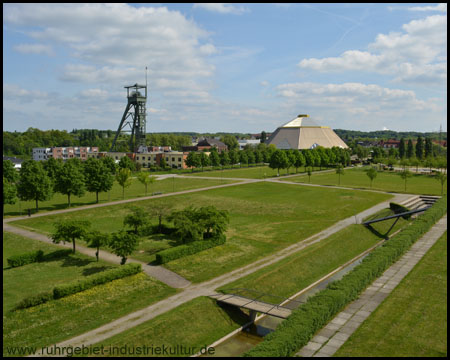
(296, 331)
(96, 279)
(36, 256)
(184, 250)
(27, 258)
(80, 285)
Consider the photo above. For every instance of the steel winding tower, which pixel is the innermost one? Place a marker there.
(134, 117)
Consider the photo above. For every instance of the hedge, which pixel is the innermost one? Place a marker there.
(96, 279)
(80, 285)
(296, 331)
(23, 259)
(180, 251)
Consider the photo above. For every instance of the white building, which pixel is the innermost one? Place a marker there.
(243, 143)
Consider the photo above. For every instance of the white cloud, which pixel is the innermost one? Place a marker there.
(113, 43)
(439, 7)
(15, 92)
(420, 47)
(361, 106)
(34, 49)
(222, 8)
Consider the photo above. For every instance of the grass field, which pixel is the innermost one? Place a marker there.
(264, 217)
(193, 325)
(259, 172)
(20, 282)
(385, 181)
(301, 269)
(60, 319)
(135, 190)
(412, 320)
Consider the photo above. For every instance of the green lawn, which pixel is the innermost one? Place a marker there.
(135, 190)
(412, 320)
(301, 269)
(20, 282)
(193, 325)
(61, 319)
(264, 217)
(258, 172)
(385, 181)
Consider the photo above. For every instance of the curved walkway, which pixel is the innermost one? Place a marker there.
(337, 331)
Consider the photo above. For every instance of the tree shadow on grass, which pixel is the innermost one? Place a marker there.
(75, 261)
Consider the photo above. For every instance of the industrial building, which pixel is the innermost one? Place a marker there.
(303, 133)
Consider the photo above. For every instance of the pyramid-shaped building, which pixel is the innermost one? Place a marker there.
(303, 133)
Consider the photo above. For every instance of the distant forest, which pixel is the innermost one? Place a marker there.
(21, 143)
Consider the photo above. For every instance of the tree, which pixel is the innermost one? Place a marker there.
(162, 163)
(259, 158)
(410, 149)
(187, 227)
(405, 174)
(123, 177)
(230, 141)
(309, 172)
(193, 160)
(123, 244)
(243, 159)
(204, 159)
(299, 160)
(214, 157)
(52, 166)
(10, 172)
(372, 174)
(290, 157)
(96, 239)
(419, 148)
(263, 136)
(9, 193)
(136, 219)
(110, 163)
(414, 162)
(250, 156)
(441, 177)
(34, 183)
(234, 157)
(70, 179)
(126, 163)
(429, 162)
(224, 158)
(278, 160)
(145, 178)
(162, 209)
(428, 148)
(70, 230)
(213, 221)
(339, 171)
(401, 149)
(97, 176)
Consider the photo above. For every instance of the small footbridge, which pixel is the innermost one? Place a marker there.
(253, 301)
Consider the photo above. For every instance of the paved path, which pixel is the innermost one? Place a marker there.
(337, 331)
(207, 288)
(158, 272)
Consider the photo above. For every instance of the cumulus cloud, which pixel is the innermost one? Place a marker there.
(40, 49)
(15, 92)
(439, 7)
(113, 43)
(359, 106)
(412, 56)
(222, 8)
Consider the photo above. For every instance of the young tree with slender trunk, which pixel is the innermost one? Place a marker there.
(136, 219)
(123, 244)
(123, 177)
(405, 174)
(372, 174)
(441, 177)
(97, 177)
(339, 171)
(70, 230)
(96, 239)
(146, 179)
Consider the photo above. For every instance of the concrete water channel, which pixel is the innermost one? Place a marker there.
(251, 334)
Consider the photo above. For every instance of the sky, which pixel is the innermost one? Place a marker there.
(226, 67)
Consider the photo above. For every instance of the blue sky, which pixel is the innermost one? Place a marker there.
(226, 67)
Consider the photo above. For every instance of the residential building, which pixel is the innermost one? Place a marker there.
(64, 153)
(243, 143)
(207, 144)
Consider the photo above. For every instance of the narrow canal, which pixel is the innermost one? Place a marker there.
(250, 336)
